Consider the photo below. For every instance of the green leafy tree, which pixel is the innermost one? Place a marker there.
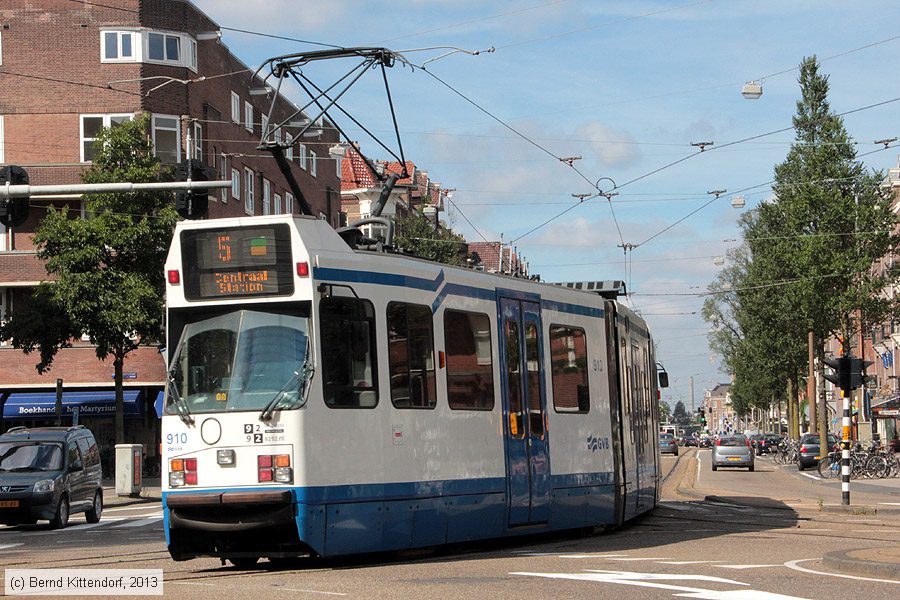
(418, 235)
(106, 270)
(679, 415)
(665, 412)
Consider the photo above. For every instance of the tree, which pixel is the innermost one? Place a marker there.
(107, 277)
(679, 415)
(419, 236)
(665, 412)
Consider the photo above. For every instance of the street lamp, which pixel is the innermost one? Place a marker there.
(752, 90)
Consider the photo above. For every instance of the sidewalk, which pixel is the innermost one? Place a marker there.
(151, 491)
(883, 563)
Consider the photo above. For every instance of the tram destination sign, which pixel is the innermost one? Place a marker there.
(237, 262)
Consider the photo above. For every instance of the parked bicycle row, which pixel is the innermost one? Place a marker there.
(874, 461)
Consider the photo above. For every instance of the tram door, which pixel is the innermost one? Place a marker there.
(524, 409)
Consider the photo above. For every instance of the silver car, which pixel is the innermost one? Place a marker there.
(732, 451)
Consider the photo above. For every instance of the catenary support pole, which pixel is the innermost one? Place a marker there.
(845, 450)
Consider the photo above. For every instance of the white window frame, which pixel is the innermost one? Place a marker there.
(278, 207)
(120, 35)
(338, 162)
(235, 107)
(288, 203)
(107, 121)
(289, 146)
(264, 127)
(166, 60)
(235, 184)
(198, 141)
(248, 116)
(301, 155)
(223, 175)
(266, 197)
(312, 163)
(249, 200)
(192, 54)
(177, 130)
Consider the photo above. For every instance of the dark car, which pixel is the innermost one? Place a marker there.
(808, 454)
(763, 443)
(667, 444)
(49, 473)
(687, 440)
(732, 451)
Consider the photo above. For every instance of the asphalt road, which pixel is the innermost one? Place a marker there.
(728, 535)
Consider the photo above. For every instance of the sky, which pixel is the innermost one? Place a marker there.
(627, 86)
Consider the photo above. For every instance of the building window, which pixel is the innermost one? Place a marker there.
(470, 371)
(167, 139)
(163, 47)
(264, 128)
(198, 142)
(288, 203)
(192, 57)
(235, 107)
(117, 46)
(277, 204)
(312, 163)
(249, 205)
(236, 184)
(223, 174)
(301, 156)
(410, 332)
(289, 146)
(90, 128)
(568, 360)
(338, 161)
(349, 366)
(248, 116)
(267, 197)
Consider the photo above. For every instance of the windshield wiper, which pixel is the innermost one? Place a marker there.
(180, 403)
(301, 377)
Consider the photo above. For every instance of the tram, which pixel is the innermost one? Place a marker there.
(326, 400)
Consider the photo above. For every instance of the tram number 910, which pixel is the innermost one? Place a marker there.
(176, 438)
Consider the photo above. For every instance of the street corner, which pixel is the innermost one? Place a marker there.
(882, 563)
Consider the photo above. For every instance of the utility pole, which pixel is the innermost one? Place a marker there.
(811, 382)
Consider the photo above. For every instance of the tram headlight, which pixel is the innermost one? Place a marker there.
(284, 474)
(176, 478)
(225, 457)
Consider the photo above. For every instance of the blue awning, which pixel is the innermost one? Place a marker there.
(158, 405)
(38, 405)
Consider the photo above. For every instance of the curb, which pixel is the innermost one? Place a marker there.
(844, 561)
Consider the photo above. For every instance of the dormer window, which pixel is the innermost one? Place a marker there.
(145, 46)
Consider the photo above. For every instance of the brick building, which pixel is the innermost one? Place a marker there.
(68, 69)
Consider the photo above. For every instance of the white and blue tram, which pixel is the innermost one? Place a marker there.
(324, 400)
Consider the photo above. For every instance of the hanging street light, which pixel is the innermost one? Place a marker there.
(752, 90)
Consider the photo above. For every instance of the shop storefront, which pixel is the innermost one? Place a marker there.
(95, 409)
(886, 415)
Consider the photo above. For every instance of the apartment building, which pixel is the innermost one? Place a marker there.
(68, 69)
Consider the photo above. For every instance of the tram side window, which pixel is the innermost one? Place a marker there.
(568, 359)
(349, 365)
(411, 355)
(470, 369)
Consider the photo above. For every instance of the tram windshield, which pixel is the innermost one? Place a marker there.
(241, 361)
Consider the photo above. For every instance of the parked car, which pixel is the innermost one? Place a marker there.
(48, 474)
(808, 453)
(667, 444)
(732, 451)
(687, 440)
(763, 443)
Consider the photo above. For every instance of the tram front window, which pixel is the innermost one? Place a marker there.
(240, 361)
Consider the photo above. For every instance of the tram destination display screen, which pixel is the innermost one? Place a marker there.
(237, 262)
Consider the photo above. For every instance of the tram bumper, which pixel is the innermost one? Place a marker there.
(232, 524)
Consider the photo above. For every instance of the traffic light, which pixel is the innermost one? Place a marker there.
(840, 375)
(847, 372)
(701, 418)
(857, 366)
(13, 211)
(192, 204)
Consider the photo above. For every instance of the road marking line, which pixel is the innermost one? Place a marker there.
(638, 558)
(139, 523)
(121, 508)
(5, 546)
(890, 503)
(641, 580)
(745, 566)
(689, 562)
(816, 477)
(794, 564)
(592, 555)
